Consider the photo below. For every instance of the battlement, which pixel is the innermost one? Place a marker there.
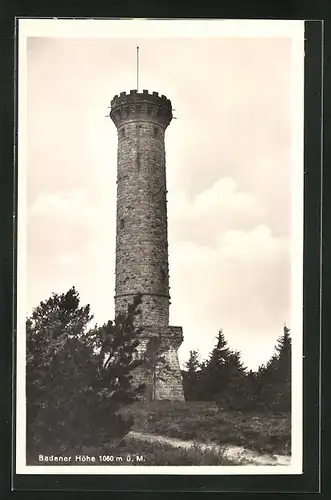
(134, 96)
(145, 105)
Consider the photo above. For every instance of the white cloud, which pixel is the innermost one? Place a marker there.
(59, 222)
(241, 285)
(228, 172)
(212, 212)
(227, 270)
(71, 242)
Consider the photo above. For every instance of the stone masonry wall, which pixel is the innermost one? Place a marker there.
(168, 375)
(141, 223)
(141, 243)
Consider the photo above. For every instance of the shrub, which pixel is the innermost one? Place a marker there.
(77, 379)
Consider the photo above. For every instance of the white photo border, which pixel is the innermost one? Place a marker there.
(131, 28)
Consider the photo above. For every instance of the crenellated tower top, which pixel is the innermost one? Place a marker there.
(138, 106)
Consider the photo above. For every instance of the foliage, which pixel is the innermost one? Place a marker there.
(129, 452)
(223, 378)
(191, 376)
(222, 373)
(263, 431)
(233, 394)
(274, 379)
(161, 454)
(81, 388)
(77, 378)
(154, 366)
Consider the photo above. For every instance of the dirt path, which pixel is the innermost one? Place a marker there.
(236, 453)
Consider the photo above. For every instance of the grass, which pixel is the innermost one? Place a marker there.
(203, 421)
(131, 453)
(197, 421)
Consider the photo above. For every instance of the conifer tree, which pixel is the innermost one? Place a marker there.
(274, 379)
(283, 370)
(117, 343)
(56, 354)
(214, 376)
(77, 378)
(234, 394)
(191, 376)
(252, 392)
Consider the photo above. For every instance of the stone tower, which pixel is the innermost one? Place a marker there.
(141, 120)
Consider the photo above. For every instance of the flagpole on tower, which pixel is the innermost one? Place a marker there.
(138, 68)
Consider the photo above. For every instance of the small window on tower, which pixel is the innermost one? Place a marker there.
(122, 132)
(156, 132)
(122, 223)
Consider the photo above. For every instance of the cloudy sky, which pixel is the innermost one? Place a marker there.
(229, 170)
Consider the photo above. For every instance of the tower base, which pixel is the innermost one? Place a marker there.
(160, 371)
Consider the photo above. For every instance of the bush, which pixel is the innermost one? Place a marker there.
(131, 453)
(203, 422)
(77, 379)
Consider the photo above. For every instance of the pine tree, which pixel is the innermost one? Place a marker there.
(78, 378)
(252, 399)
(214, 375)
(234, 394)
(191, 376)
(235, 365)
(274, 379)
(193, 364)
(117, 344)
(55, 355)
(284, 355)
